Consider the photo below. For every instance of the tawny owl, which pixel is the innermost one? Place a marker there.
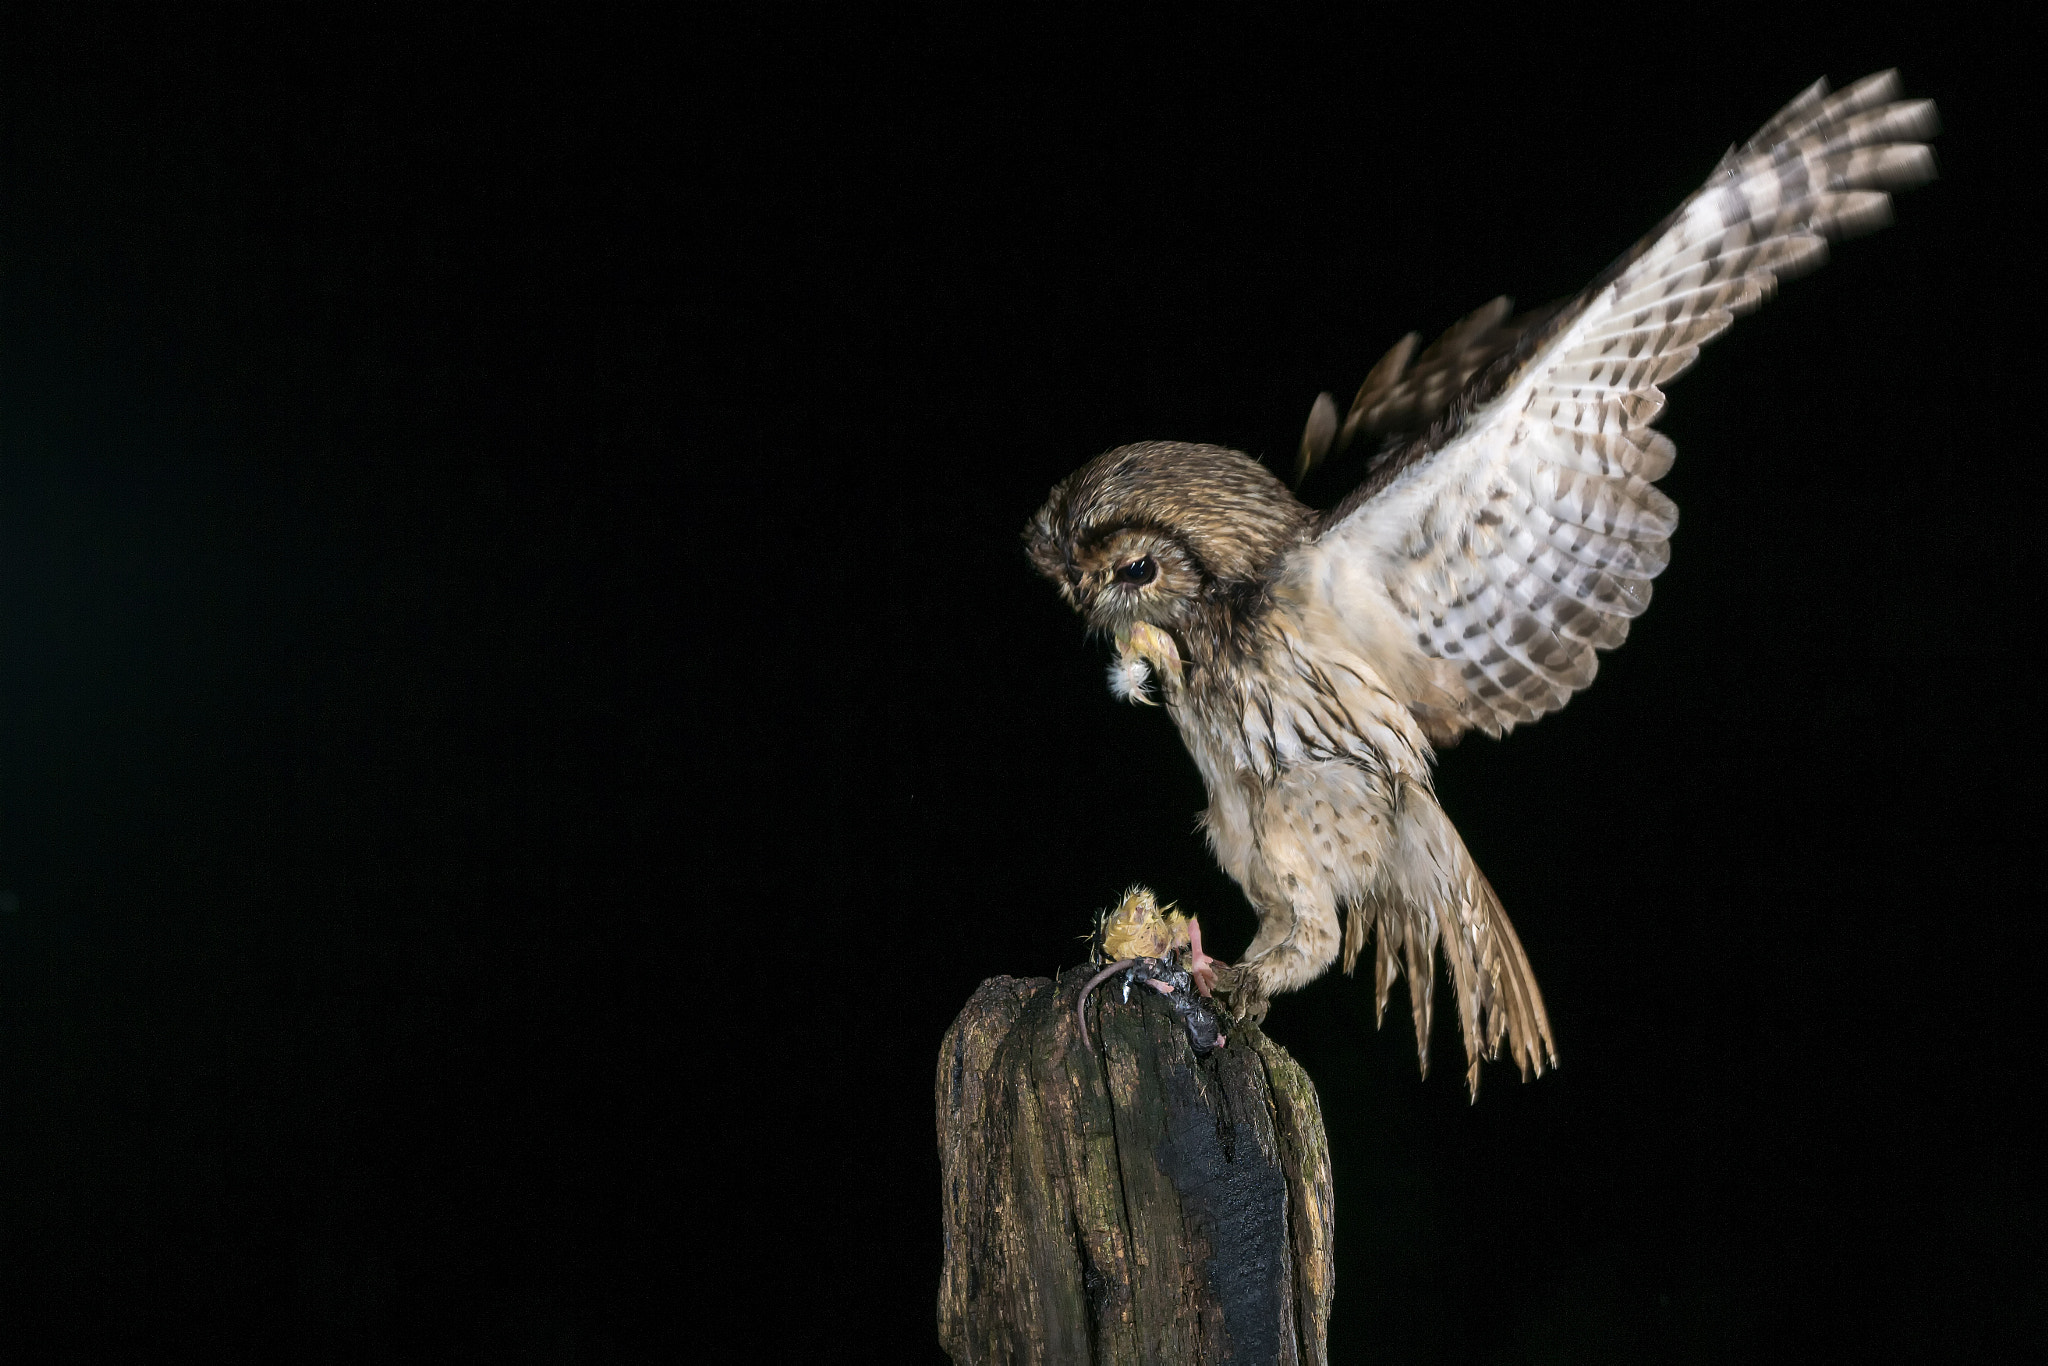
(1508, 529)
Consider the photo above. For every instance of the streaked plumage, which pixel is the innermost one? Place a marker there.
(1507, 531)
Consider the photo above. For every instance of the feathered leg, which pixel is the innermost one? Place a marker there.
(1299, 934)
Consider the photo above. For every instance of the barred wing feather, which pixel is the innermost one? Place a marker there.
(1494, 555)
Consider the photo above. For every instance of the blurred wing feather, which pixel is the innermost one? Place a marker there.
(1404, 393)
(1486, 561)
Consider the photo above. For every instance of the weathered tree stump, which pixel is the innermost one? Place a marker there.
(1129, 1202)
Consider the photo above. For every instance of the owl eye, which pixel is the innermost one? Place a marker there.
(1140, 570)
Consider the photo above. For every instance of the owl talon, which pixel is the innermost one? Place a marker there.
(1238, 993)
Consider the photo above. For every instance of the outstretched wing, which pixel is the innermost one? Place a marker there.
(1486, 560)
(1404, 393)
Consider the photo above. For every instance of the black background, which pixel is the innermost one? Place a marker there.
(522, 714)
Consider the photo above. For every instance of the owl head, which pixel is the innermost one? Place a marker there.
(1151, 532)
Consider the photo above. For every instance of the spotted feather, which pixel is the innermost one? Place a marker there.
(1519, 535)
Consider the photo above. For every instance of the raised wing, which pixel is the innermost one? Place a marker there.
(1404, 393)
(1488, 559)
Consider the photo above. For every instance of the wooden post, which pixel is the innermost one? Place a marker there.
(1129, 1202)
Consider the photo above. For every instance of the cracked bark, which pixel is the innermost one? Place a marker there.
(1130, 1202)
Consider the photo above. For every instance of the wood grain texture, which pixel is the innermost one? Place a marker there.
(1131, 1202)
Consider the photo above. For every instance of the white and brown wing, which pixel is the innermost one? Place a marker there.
(1489, 558)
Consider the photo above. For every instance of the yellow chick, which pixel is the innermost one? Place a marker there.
(1140, 928)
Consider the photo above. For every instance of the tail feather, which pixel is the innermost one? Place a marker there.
(1436, 896)
(1524, 1021)
(1419, 939)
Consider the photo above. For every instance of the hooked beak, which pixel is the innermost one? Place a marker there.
(1154, 646)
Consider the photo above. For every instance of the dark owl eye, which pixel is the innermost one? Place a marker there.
(1140, 570)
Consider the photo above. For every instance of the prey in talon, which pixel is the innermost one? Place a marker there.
(1163, 949)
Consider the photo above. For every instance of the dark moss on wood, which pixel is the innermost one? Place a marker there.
(1129, 1202)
